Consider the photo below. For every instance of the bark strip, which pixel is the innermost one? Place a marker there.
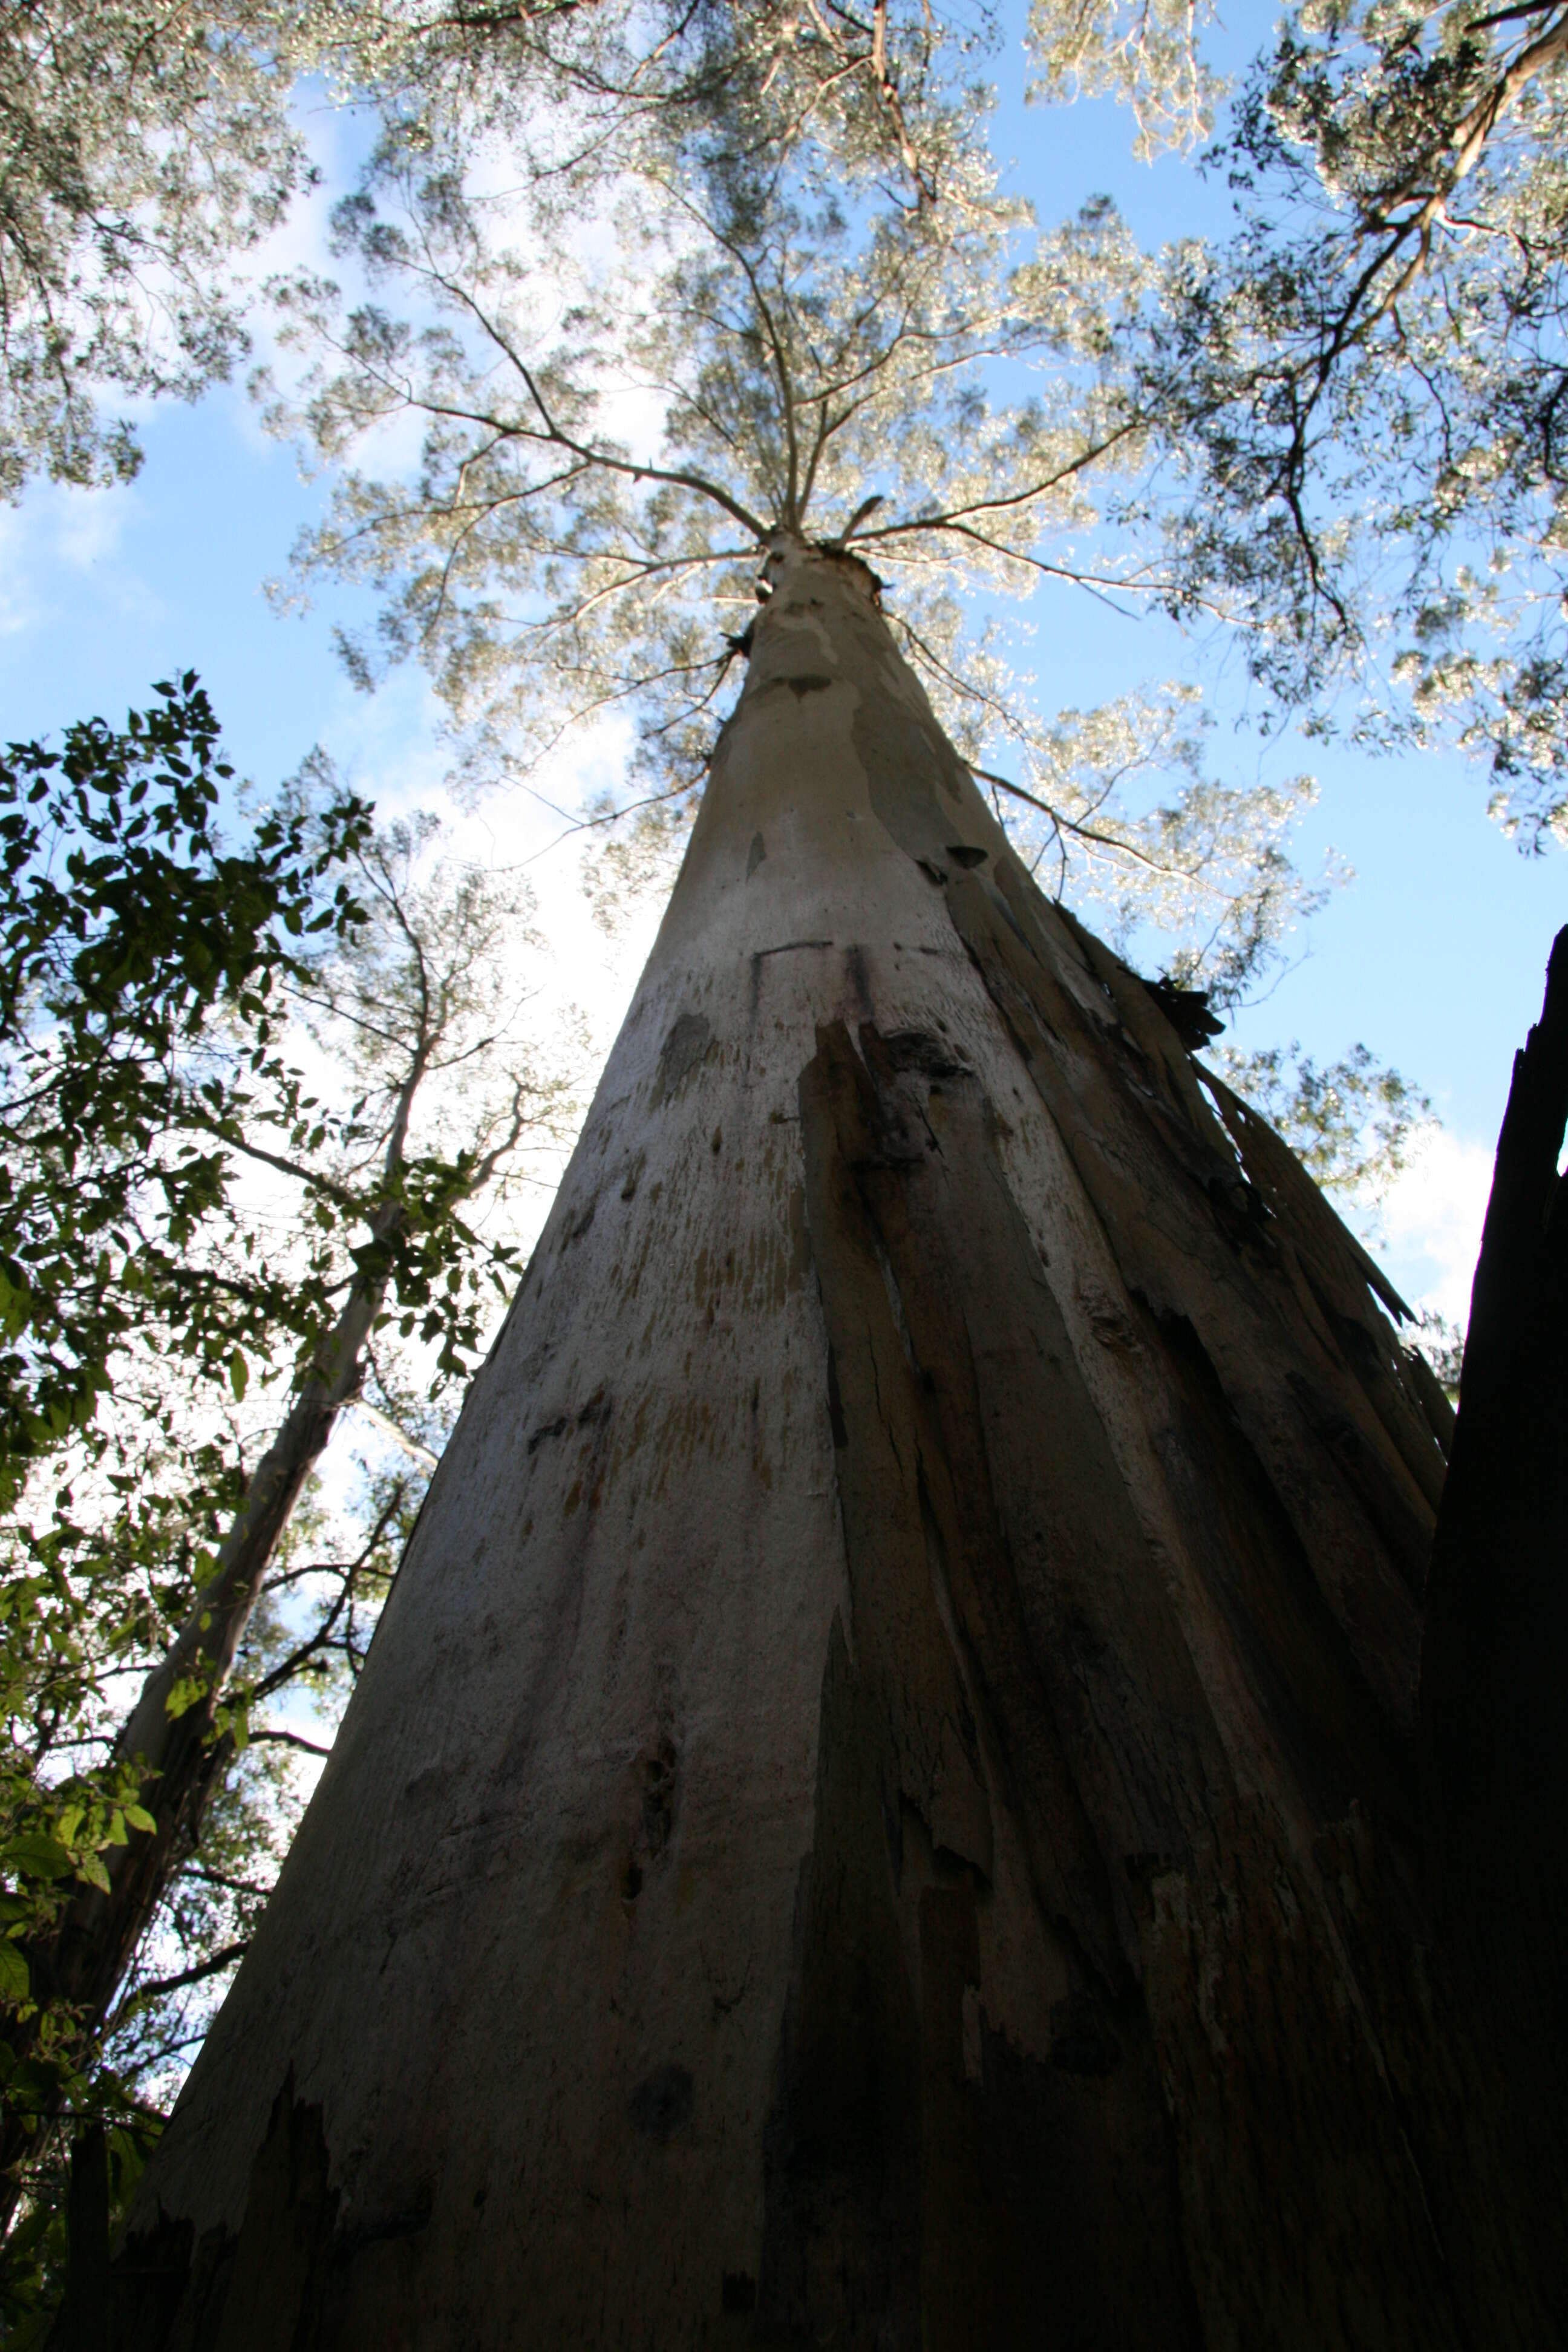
(1193, 1932)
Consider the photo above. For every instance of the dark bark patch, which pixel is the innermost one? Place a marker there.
(268, 2284)
(1215, 1998)
(801, 684)
(841, 2147)
(662, 2102)
(1338, 1745)
(156, 2283)
(900, 1488)
(974, 1440)
(576, 1226)
(1190, 1243)
(916, 1049)
(902, 1649)
(660, 1768)
(1081, 2040)
(756, 855)
(406, 2223)
(858, 979)
(685, 1047)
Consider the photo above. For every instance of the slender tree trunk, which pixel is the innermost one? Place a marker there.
(100, 1932)
(883, 1809)
(172, 1744)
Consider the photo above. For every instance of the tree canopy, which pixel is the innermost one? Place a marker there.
(1359, 391)
(616, 429)
(145, 153)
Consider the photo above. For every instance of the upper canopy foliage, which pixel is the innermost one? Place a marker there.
(1356, 398)
(1362, 392)
(769, 232)
(144, 150)
(631, 371)
(138, 150)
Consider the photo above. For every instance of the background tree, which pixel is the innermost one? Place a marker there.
(148, 1529)
(134, 937)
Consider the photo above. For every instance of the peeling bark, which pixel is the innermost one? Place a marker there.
(884, 1806)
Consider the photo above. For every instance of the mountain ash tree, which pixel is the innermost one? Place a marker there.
(885, 1807)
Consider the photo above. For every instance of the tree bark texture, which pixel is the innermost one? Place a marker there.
(884, 1809)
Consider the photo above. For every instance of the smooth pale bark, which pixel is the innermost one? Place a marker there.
(883, 1807)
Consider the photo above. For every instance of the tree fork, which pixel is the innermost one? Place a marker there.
(885, 1805)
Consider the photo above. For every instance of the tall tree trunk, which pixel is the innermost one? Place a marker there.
(883, 1809)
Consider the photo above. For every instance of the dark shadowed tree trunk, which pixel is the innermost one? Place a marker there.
(884, 1808)
(1494, 1695)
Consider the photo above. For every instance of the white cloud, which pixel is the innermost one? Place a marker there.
(1432, 1222)
(61, 552)
(88, 525)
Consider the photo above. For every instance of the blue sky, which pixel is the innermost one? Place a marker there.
(1434, 956)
